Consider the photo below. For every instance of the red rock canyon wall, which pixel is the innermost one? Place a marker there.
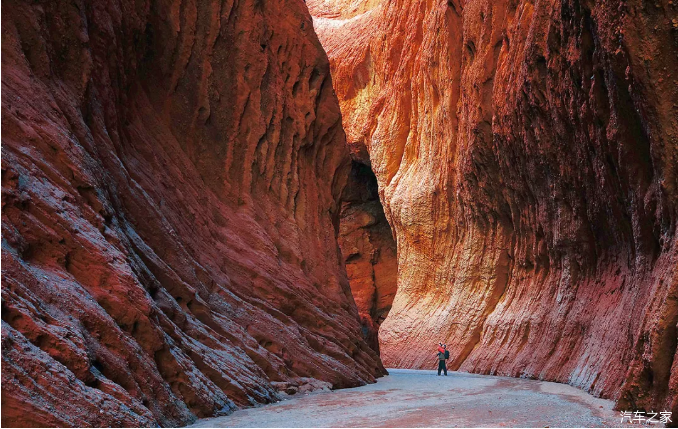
(170, 181)
(368, 249)
(527, 158)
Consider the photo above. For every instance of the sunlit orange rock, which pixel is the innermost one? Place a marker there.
(171, 173)
(526, 155)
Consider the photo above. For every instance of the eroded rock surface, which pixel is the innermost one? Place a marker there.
(170, 179)
(368, 249)
(526, 154)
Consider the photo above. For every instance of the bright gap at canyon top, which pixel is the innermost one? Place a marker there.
(212, 205)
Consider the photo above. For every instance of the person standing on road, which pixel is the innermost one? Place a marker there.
(443, 354)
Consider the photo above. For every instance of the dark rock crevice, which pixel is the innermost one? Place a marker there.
(368, 249)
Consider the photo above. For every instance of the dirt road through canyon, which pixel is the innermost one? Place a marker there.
(410, 398)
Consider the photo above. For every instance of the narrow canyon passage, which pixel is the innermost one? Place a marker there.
(210, 205)
(368, 249)
(418, 398)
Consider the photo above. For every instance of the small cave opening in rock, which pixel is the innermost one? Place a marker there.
(368, 250)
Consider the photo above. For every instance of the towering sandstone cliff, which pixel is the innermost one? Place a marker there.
(170, 179)
(527, 159)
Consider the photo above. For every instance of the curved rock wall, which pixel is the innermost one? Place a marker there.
(170, 180)
(527, 160)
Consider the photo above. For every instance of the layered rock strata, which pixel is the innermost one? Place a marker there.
(527, 158)
(170, 181)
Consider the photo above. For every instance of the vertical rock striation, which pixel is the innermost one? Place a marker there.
(170, 179)
(527, 159)
(368, 249)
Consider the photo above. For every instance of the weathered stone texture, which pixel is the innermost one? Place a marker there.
(171, 172)
(368, 249)
(527, 159)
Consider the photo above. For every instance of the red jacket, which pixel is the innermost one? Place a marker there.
(441, 349)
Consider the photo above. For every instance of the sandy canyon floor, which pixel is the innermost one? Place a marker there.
(422, 399)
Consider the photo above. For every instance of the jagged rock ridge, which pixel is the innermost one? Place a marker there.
(526, 155)
(170, 181)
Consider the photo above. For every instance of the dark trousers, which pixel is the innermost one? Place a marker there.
(442, 367)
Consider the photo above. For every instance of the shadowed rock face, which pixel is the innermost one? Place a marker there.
(368, 249)
(526, 155)
(170, 179)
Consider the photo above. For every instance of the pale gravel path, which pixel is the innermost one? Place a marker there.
(409, 398)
